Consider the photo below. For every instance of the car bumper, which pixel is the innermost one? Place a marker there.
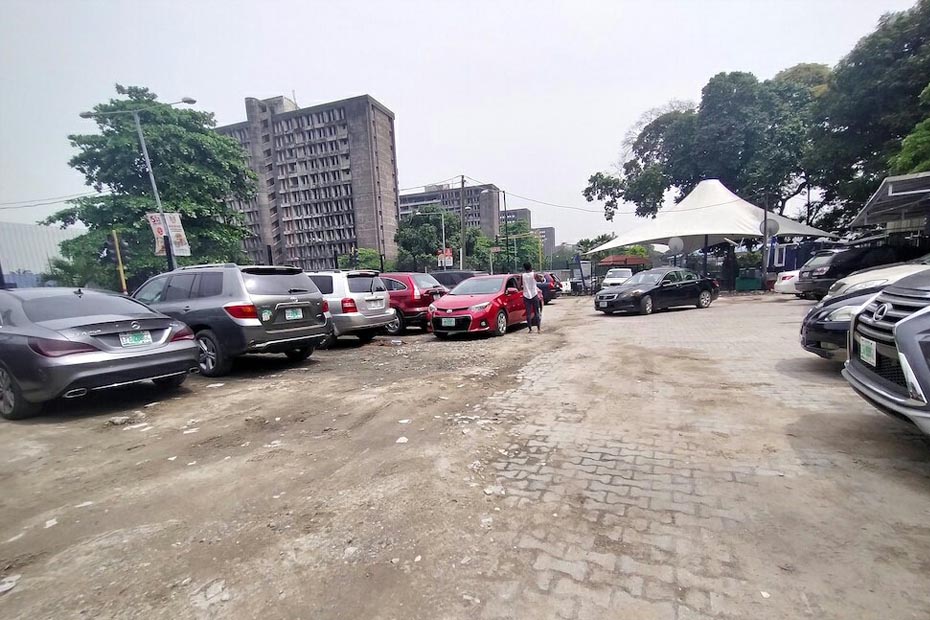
(258, 340)
(886, 399)
(785, 288)
(75, 375)
(414, 315)
(825, 338)
(348, 322)
(464, 323)
(816, 287)
(616, 305)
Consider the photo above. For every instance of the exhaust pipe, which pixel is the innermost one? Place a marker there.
(75, 393)
(195, 370)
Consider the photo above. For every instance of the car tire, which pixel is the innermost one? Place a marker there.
(366, 336)
(12, 404)
(500, 324)
(646, 305)
(704, 299)
(213, 362)
(299, 355)
(170, 383)
(397, 327)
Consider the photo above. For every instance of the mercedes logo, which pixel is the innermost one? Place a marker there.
(135, 325)
(881, 311)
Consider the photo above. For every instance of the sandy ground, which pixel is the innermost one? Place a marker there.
(455, 480)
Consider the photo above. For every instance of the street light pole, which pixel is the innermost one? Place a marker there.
(169, 247)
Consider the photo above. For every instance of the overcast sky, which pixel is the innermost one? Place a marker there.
(533, 96)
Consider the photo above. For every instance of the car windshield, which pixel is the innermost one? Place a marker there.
(272, 283)
(644, 277)
(424, 280)
(619, 273)
(819, 260)
(72, 305)
(478, 286)
(366, 284)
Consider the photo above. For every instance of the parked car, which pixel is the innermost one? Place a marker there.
(654, 289)
(877, 276)
(66, 342)
(825, 329)
(552, 288)
(451, 279)
(411, 294)
(616, 277)
(827, 266)
(479, 304)
(358, 302)
(785, 282)
(887, 362)
(235, 310)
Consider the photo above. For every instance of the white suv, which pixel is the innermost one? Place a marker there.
(358, 301)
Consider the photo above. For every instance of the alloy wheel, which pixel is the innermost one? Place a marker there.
(207, 355)
(704, 299)
(393, 327)
(501, 323)
(7, 397)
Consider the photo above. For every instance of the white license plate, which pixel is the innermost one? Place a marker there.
(447, 322)
(867, 351)
(135, 339)
(292, 314)
(602, 304)
(375, 305)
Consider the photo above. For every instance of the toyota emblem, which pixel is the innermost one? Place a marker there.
(135, 325)
(449, 311)
(881, 311)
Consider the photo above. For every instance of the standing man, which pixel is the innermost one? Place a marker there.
(531, 298)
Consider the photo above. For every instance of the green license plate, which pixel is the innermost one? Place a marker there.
(292, 314)
(447, 322)
(135, 339)
(867, 351)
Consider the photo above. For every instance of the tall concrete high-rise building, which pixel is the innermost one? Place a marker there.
(546, 236)
(327, 179)
(517, 215)
(482, 205)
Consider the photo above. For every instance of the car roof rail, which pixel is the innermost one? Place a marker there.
(206, 265)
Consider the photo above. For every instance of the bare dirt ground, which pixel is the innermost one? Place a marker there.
(689, 464)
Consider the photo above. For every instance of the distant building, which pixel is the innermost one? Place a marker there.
(546, 235)
(26, 250)
(482, 205)
(517, 215)
(327, 179)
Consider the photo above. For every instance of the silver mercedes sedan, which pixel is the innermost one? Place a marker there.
(65, 342)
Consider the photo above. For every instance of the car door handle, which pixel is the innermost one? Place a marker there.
(187, 308)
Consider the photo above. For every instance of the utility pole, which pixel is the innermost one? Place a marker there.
(462, 207)
(119, 262)
(169, 249)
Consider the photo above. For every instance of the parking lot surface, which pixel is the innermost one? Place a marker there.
(688, 464)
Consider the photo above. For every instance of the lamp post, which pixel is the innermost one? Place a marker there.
(169, 247)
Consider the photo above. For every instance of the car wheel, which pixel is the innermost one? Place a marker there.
(170, 383)
(397, 327)
(12, 404)
(366, 336)
(299, 355)
(500, 324)
(213, 361)
(645, 305)
(704, 300)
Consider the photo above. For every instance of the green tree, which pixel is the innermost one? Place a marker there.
(367, 259)
(197, 170)
(914, 155)
(586, 245)
(518, 245)
(419, 237)
(811, 75)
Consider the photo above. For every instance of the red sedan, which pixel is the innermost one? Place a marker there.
(479, 304)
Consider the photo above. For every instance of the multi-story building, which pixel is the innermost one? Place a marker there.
(327, 179)
(546, 236)
(482, 204)
(517, 215)
(27, 250)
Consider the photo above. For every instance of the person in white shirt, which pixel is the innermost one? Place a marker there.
(531, 298)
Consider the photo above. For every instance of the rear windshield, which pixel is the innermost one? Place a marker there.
(424, 280)
(479, 286)
(324, 283)
(365, 284)
(619, 273)
(70, 306)
(271, 283)
(819, 260)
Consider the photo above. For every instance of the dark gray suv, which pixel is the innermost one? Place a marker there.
(236, 309)
(889, 348)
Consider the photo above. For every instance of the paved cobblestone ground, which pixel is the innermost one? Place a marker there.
(699, 464)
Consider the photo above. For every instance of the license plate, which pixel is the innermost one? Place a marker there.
(135, 339)
(375, 305)
(447, 322)
(867, 351)
(602, 304)
(292, 314)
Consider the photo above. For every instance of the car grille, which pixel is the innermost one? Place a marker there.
(462, 323)
(897, 307)
(610, 297)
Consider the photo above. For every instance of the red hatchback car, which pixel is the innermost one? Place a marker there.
(411, 294)
(479, 304)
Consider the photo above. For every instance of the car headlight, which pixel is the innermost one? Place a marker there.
(843, 313)
(864, 285)
(432, 308)
(478, 307)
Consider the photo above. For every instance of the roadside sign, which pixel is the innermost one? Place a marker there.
(174, 228)
(444, 257)
(496, 249)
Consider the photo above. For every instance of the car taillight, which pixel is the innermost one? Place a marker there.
(325, 306)
(716, 283)
(348, 305)
(184, 334)
(820, 271)
(58, 348)
(242, 311)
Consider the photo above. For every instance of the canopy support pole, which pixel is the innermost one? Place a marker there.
(705, 256)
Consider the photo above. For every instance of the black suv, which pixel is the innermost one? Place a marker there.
(242, 309)
(827, 266)
(450, 279)
(889, 345)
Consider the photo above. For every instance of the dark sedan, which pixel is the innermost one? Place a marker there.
(825, 329)
(654, 289)
(65, 342)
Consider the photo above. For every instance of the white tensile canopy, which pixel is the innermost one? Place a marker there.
(713, 212)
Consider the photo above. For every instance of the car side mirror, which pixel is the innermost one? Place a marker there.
(511, 291)
(665, 283)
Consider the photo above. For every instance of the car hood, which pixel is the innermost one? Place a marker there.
(630, 289)
(889, 273)
(447, 302)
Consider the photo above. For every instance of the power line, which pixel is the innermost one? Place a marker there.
(404, 189)
(66, 196)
